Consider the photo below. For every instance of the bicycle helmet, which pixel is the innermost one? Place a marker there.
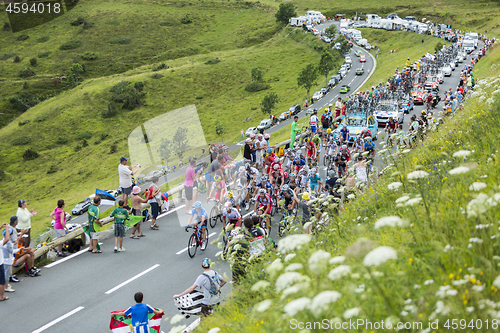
(241, 169)
(217, 178)
(252, 136)
(369, 138)
(288, 150)
(197, 204)
(331, 173)
(229, 194)
(228, 205)
(262, 191)
(205, 263)
(267, 136)
(248, 140)
(276, 167)
(329, 131)
(284, 188)
(299, 152)
(313, 171)
(344, 147)
(344, 126)
(269, 150)
(263, 179)
(292, 175)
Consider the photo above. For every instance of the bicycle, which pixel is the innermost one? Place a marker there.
(215, 213)
(284, 225)
(264, 220)
(196, 241)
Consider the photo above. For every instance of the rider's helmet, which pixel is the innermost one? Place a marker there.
(369, 139)
(276, 167)
(229, 194)
(197, 204)
(217, 178)
(241, 169)
(247, 165)
(263, 179)
(285, 188)
(269, 150)
(228, 206)
(288, 151)
(331, 173)
(205, 263)
(292, 175)
(313, 171)
(267, 136)
(299, 152)
(329, 131)
(424, 112)
(262, 191)
(344, 147)
(252, 136)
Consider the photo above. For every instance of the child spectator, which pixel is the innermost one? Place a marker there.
(120, 214)
(139, 314)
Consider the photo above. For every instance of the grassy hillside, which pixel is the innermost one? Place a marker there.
(438, 260)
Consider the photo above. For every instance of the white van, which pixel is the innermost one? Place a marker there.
(468, 45)
(356, 34)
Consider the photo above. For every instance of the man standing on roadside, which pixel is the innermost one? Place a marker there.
(2, 275)
(338, 107)
(93, 214)
(293, 131)
(125, 174)
(188, 185)
(24, 215)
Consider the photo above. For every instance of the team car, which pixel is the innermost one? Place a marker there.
(360, 71)
(388, 109)
(407, 105)
(362, 58)
(355, 124)
(431, 81)
(417, 92)
(344, 89)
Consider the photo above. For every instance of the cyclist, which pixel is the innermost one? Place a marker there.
(317, 142)
(230, 215)
(251, 174)
(390, 126)
(219, 187)
(293, 182)
(278, 175)
(370, 148)
(331, 147)
(232, 200)
(314, 121)
(264, 202)
(303, 178)
(298, 163)
(344, 134)
(365, 132)
(314, 180)
(288, 194)
(341, 160)
(310, 151)
(266, 185)
(358, 144)
(199, 215)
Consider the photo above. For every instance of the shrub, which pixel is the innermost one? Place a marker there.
(43, 39)
(24, 100)
(113, 149)
(30, 154)
(87, 25)
(85, 135)
(256, 86)
(52, 169)
(6, 56)
(186, 20)
(160, 67)
(109, 112)
(27, 72)
(129, 96)
(22, 37)
(120, 40)
(213, 61)
(2, 175)
(21, 140)
(61, 140)
(199, 97)
(96, 142)
(89, 56)
(104, 136)
(166, 23)
(78, 147)
(77, 22)
(41, 118)
(17, 59)
(84, 143)
(25, 85)
(22, 123)
(33, 62)
(44, 54)
(157, 76)
(71, 45)
(6, 26)
(139, 85)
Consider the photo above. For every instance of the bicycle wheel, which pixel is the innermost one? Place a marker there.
(213, 216)
(273, 208)
(282, 227)
(192, 245)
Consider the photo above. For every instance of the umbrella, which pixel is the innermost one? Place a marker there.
(160, 166)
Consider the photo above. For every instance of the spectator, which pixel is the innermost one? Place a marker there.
(212, 169)
(188, 185)
(8, 259)
(198, 181)
(241, 134)
(2, 276)
(120, 214)
(137, 202)
(247, 151)
(204, 283)
(93, 216)
(139, 314)
(24, 215)
(59, 217)
(24, 254)
(154, 197)
(125, 174)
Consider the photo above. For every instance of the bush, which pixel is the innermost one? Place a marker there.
(213, 61)
(17, 59)
(71, 45)
(6, 26)
(104, 136)
(44, 54)
(27, 72)
(87, 25)
(157, 76)
(85, 135)
(109, 112)
(160, 67)
(78, 147)
(166, 23)
(22, 37)
(33, 62)
(24, 100)
(41, 118)
(6, 56)
(139, 85)
(61, 140)
(22, 123)
(84, 143)
(120, 40)
(89, 56)
(52, 169)
(77, 22)
(2, 175)
(21, 140)
(199, 97)
(113, 149)
(43, 39)
(30, 154)
(25, 85)
(256, 86)
(129, 96)
(186, 20)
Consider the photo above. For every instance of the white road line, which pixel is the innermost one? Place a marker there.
(170, 211)
(131, 279)
(67, 258)
(185, 249)
(55, 321)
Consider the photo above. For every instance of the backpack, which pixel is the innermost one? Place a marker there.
(323, 118)
(149, 192)
(214, 284)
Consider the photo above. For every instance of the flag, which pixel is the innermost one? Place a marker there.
(122, 324)
(190, 304)
(133, 220)
(106, 198)
(86, 230)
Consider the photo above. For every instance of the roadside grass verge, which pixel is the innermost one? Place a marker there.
(437, 262)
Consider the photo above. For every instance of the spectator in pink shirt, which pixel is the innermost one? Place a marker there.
(59, 216)
(188, 184)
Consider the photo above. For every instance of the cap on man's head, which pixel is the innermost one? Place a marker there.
(13, 220)
(123, 158)
(21, 202)
(205, 263)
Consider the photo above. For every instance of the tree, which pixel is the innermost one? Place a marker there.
(285, 12)
(73, 74)
(220, 129)
(331, 31)
(256, 75)
(344, 48)
(438, 47)
(269, 103)
(307, 77)
(180, 142)
(326, 65)
(165, 150)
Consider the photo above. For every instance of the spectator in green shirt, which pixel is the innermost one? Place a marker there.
(294, 131)
(94, 225)
(120, 214)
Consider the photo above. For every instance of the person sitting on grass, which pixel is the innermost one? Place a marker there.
(139, 314)
(120, 214)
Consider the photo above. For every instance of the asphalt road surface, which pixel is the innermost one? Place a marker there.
(77, 294)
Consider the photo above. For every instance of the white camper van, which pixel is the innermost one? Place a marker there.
(298, 21)
(468, 45)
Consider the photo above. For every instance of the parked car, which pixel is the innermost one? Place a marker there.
(360, 71)
(152, 174)
(368, 46)
(333, 81)
(339, 72)
(344, 89)
(285, 115)
(343, 71)
(325, 90)
(337, 77)
(81, 207)
(294, 109)
(337, 46)
(317, 95)
(362, 59)
(251, 130)
(348, 59)
(326, 39)
(347, 66)
(265, 124)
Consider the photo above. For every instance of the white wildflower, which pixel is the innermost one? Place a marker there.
(288, 279)
(416, 286)
(441, 308)
(263, 306)
(339, 272)
(417, 174)
(451, 292)
(404, 198)
(390, 221)
(413, 201)
(289, 256)
(295, 306)
(461, 153)
(354, 312)
(260, 286)
(320, 303)
(379, 256)
(459, 170)
(214, 330)
(293, 242)
(490, 101)
(360, 289)
(442, 291)
(318, 261)
(293, 267)
(294, 289)
(336, 260)
(478, 288)
(477, 206)
(394, 186)
(177, 318)
(477, 186)
(406, 151)
(496, 283)
(469, 309)
(275, 267)
(459, 282)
